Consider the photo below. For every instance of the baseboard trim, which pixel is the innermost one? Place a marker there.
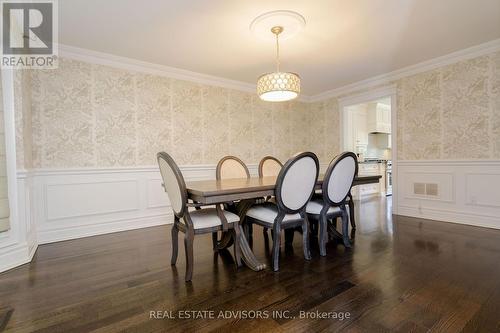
(16, 256)
(465, 218)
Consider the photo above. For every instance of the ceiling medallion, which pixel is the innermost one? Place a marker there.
(278, 86)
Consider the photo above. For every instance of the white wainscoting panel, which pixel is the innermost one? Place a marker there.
(468, 192)
(74, 203)
(78, 199)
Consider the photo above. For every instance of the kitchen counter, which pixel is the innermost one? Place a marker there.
(372, 168)
(373, 162)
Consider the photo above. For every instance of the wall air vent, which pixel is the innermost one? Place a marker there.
(419, 188)
(431, 189)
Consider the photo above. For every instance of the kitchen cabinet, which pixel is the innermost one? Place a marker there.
(369, 190)
(360, 131)
(379, 118)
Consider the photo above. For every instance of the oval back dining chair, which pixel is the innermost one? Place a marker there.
(269, 166)
(231, 167)
(337, 183)
(200, 221)
(294, 188)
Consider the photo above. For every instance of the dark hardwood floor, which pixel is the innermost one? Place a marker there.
(403, 275)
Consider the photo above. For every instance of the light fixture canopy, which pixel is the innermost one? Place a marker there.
(278, 86)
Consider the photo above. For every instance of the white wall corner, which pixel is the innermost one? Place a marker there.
(19, 243)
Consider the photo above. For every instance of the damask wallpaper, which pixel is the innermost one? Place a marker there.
(452, 112)
(88, 115)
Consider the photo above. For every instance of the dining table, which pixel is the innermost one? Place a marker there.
(248, 190)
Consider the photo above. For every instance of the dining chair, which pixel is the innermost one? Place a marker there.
(269, 166)
(294, 188)
(337, 183)
(231, 167)
(195, 222)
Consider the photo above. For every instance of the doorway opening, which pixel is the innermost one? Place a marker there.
(369, 130)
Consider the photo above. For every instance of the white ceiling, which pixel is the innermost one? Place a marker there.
(343, 41)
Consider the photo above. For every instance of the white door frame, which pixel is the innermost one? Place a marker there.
(369, 96)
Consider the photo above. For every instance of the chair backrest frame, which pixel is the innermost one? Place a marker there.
(218, 170)
(263, 161)
(180, 181)
(282, 207)
(328, 177)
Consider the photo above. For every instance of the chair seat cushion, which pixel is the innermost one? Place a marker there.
(315, 206)
(267, 212)
(207, 217)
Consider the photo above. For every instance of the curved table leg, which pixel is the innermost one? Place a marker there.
(350, 203)
(225, 241)
(246, 252)
(247, 255)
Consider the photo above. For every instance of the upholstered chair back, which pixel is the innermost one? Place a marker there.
(173, 183)
(339, 177)
(269, 166)
(231, 167)
(296, 181)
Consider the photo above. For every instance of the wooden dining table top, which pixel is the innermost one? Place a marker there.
(223, 190)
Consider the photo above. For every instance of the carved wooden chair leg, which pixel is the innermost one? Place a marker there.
(313, 228)
(289, 233)
(214, 240)
(323, 235)
(332, 228)
(276, 246)
(188, 246)
(345, 227)
(267, 248)
(351, 211)
(175, 244)
(305, 239)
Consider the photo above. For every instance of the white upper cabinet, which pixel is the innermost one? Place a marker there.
(360, 131)
(379, 118)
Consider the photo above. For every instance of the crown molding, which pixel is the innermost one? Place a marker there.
(469, 53)
(107, 59)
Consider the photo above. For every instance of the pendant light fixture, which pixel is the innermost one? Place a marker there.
(278, 86)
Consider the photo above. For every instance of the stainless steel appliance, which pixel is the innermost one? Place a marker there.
(388, 178)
